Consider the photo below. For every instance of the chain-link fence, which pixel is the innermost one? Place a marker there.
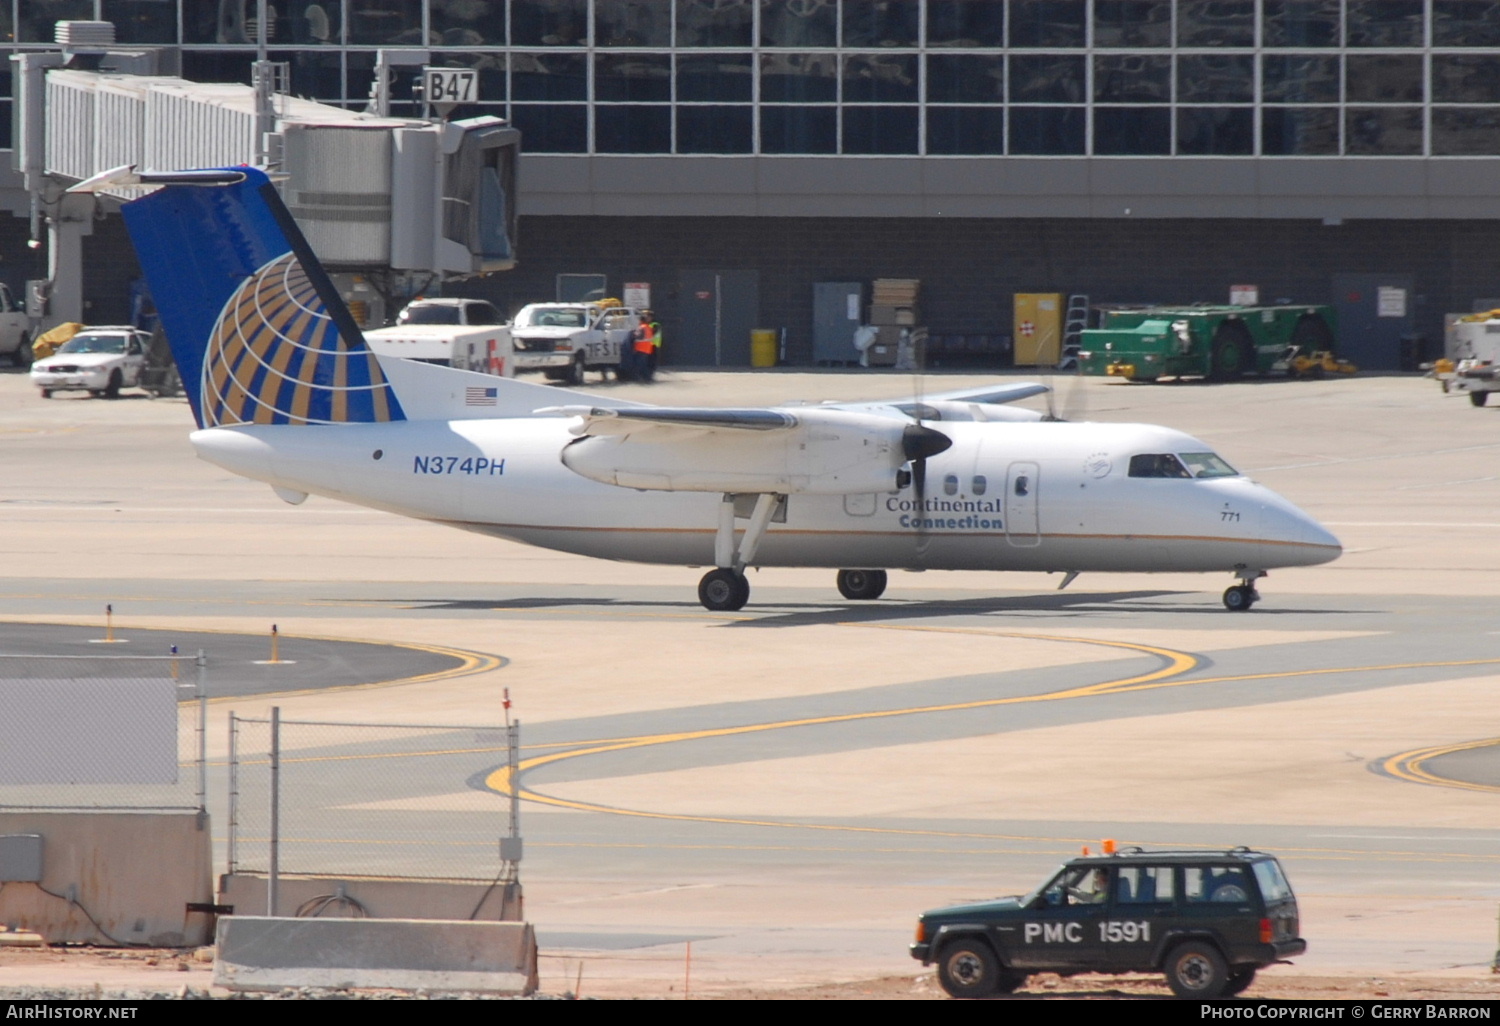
(102, 732)
(353, 799)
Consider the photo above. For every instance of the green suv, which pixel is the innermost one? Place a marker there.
(1206, 919)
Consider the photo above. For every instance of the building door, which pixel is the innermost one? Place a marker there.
(836, 314)
(1374, 311)
(719, 310)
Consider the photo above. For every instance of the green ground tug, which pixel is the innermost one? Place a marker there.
(1215, 342)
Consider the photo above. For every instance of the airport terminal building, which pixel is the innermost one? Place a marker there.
(734, 154)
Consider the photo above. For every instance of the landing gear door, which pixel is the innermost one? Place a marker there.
(1022, 517)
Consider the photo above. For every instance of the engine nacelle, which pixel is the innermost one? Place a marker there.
(818, 452)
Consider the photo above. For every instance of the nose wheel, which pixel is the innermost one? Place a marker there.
(1240, 598)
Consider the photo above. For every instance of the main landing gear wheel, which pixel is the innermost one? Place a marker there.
(1240, 598)
(723, 591)
(861, 584)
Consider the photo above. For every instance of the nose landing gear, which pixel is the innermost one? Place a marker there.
(1240, 597)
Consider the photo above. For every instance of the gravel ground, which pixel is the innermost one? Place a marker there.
(83, 973)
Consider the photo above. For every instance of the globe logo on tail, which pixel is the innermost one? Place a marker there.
(276, 357)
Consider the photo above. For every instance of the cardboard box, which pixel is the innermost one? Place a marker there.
(881, 355)
(904, 316)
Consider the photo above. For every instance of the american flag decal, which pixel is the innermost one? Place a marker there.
(476, 396)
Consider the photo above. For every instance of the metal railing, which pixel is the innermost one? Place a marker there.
(370, 799)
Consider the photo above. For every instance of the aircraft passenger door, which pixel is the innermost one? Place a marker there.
(1022, 519)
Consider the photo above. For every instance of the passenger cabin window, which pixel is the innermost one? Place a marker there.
(1157, 465)
(950, 484)
(980, 485)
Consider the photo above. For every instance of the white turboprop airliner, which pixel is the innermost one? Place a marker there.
(285, 391)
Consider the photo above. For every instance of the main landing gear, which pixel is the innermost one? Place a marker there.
(1240, 597)
(725, 589)
(861, 584)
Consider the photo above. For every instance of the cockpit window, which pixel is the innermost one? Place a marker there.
(1162, 464)
(1207, 464)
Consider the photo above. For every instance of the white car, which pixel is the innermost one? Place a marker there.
(100, 360)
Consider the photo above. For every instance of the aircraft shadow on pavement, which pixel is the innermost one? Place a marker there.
(836, 609)
(795, 614)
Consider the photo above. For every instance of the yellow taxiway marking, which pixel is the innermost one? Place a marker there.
(1409, 765)
(468, 662)
(1177, 664)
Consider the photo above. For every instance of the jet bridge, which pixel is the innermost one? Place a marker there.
(379, 196)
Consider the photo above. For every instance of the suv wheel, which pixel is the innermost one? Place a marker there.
(1239, 979)
(1196, 970)
(969, 969)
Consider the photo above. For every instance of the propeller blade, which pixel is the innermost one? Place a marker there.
(918, 442)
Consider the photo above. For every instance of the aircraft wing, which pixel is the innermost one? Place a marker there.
(989, 394)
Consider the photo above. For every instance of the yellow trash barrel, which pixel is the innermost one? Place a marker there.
(763, 347)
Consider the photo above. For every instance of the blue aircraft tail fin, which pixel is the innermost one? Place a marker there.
(259, 333)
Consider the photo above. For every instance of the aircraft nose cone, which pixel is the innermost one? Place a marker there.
(1296, 538)
(1321, 537)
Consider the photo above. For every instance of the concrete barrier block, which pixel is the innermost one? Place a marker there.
(377, 898)
(272, 953)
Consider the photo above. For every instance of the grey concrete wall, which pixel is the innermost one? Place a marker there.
(382, 899)
(970, 267)
(259, 953)
(114, 878)
(1007, 187)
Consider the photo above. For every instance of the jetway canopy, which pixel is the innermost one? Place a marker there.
(369, 192)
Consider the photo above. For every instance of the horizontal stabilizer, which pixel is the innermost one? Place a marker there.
(432, 392)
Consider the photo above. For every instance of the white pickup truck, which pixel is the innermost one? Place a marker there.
(563, 340)
(468, 334)
(15, 329)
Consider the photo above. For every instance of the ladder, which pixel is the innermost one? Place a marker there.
(1076, 319)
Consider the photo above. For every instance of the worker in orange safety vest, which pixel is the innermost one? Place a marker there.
(643, 349)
